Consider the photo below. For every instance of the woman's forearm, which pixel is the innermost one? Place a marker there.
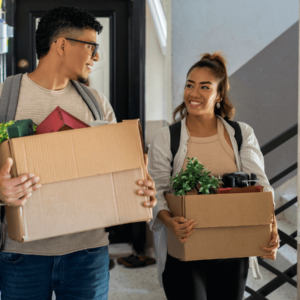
(164, 216)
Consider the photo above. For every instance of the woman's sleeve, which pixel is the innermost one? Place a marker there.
(252, 159)
(159, 167)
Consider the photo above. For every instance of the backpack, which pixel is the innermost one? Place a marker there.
(8, 107)
(175, 131)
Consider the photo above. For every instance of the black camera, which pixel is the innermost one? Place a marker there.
(238, 179)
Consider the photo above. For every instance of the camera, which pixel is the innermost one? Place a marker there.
(239, 179)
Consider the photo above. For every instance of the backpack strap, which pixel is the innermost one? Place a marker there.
(175, 132)
(89, 99)
(238, 132)
(10, 97)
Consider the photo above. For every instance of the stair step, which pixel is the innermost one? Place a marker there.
(290, 214)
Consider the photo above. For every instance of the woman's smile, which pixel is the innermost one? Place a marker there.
(194, 103)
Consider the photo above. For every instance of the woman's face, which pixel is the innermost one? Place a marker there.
(200, 93)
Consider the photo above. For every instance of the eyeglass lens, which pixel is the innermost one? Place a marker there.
(95, 50)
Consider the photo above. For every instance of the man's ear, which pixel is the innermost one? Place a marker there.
(61, 46)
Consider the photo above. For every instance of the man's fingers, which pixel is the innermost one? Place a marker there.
(22, 188)
(146, 160)
(5, 170)
(19, 180)
(148, 193)
(18, 202)
(146, 183)
(150, 203)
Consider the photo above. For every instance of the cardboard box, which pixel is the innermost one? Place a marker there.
(229, 225)
(89, 180)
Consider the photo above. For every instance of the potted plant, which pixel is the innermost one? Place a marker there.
(195, 177)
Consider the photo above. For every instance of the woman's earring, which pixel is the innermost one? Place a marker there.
(218, 105)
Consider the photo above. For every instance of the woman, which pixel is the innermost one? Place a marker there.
(208, 137)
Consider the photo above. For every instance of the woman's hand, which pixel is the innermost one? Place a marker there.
(181, 227)
(274, 243)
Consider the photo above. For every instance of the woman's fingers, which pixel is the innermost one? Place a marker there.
(189, 228)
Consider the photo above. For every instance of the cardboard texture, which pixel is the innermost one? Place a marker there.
(229, 225)
(89, 179)
(60, 120)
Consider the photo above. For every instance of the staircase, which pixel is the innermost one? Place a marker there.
(286, 255)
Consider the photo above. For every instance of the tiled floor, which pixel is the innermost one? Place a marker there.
(134, 284)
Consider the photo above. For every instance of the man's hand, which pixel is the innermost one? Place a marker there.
(149, 183)
(16, 191)
(274, 243)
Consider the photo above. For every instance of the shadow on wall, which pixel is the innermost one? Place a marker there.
(265, 94)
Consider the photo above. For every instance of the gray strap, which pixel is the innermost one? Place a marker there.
(9, 98)
(14, 97)
(5, 98)
(90, 100)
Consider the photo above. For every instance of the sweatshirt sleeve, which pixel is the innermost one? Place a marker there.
(252, 159)
(159, 167)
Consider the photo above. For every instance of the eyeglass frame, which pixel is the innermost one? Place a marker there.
(94, 44)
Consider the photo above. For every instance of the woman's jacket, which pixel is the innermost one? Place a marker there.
(249, 160)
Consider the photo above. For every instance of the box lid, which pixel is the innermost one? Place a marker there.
(224, 210)
(79, 153)
(229, 210)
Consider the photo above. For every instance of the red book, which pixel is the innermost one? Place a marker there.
(247, 189)
(59, 120)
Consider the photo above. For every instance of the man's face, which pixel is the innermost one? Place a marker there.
(78, 59)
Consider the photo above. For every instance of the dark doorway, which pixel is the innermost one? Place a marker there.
(126, 61)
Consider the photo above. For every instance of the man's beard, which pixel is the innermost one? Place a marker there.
(82, 79)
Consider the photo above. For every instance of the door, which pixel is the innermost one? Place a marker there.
(119, 74)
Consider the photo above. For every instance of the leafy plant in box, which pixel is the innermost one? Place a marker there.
(3, 130)
(195, 175)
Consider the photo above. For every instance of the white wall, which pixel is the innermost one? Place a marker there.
(239, 28)
(155, 74)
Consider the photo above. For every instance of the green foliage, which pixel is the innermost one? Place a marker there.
(3, 130)
(195, 174)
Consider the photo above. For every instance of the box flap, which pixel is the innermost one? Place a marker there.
(175, 204)
(225, 210)
(79, 153)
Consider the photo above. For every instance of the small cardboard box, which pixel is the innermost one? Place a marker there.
(89, 180)
(20, 128)
(229, 225)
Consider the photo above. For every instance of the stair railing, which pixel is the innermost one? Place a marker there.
(286, 276)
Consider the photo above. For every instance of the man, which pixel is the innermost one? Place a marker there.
(75, 266)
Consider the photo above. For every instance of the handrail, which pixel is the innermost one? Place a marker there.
(283, 173)
(279, 140)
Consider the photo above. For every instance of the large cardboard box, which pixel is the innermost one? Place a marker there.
(89, 180)
(229, 225)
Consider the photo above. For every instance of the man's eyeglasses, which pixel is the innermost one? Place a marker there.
(95, 47)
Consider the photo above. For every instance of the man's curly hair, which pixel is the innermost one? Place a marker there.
(60, 21)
